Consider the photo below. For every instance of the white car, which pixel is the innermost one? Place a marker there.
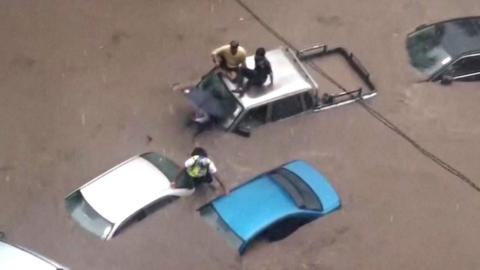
(19, 258)
(126, 194)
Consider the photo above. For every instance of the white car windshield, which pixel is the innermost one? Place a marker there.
(165, 165)
(86, 216)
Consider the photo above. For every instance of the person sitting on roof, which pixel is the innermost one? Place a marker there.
(230, 57)
(257, 76)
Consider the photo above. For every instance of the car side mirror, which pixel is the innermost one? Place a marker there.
(243, 131)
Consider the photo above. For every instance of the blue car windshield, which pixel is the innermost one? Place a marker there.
(299, 191)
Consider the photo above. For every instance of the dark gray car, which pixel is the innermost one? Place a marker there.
(447, 51)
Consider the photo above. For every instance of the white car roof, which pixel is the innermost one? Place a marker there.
(289, 78)
(125, 189)
(15, 258)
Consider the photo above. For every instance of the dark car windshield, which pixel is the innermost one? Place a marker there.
(299, 191)
(435, 46)
(427, 54)
(216, 100)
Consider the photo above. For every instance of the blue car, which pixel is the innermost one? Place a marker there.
(272, 205)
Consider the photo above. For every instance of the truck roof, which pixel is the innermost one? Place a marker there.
(289, 78)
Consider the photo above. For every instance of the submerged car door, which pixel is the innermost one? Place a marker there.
(255, 117)
(288, 107)
(277, 110)
(466, 68)
(143, 213)
(283, 228)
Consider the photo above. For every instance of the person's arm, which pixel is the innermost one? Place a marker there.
(173, 184)
(216, 54)
(243, 53)
(270, 73)
(225, 191)
(215, 59)
(243, 63)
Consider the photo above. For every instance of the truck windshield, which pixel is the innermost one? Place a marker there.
(217, 100)
(426, 51)
(86, 216)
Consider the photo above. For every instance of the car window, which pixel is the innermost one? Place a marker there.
(210, 215)
(255, 117)
(308, 98)
(159, 204)
(86, 216)
(138, 216)
(217, 100)
(130, 221)
(184, 181)
(466, 66)
(301, 193)
(286, 107)
(165, 165)
(284, 227)
(290, 188)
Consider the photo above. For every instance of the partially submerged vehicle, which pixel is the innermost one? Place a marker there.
(272, 205)
(447, 51)
(294, 91)
(126, 194)
(13, 257)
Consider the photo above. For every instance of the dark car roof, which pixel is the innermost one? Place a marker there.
(459, 35)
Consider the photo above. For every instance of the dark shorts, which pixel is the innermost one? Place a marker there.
(253, 77)
(207, 179)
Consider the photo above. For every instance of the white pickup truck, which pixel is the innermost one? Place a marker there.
(293, 91)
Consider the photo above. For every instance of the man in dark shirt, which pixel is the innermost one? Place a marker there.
(258, 76)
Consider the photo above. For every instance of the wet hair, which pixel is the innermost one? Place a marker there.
(260, 52)
(234, 44)
(198, 151)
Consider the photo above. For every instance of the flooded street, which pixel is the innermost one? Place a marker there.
(87, 84)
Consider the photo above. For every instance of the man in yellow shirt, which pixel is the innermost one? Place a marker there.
(229, 57)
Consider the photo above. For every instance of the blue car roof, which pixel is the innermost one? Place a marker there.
(260, 202)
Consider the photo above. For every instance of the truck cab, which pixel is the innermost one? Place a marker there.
(293, 92)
